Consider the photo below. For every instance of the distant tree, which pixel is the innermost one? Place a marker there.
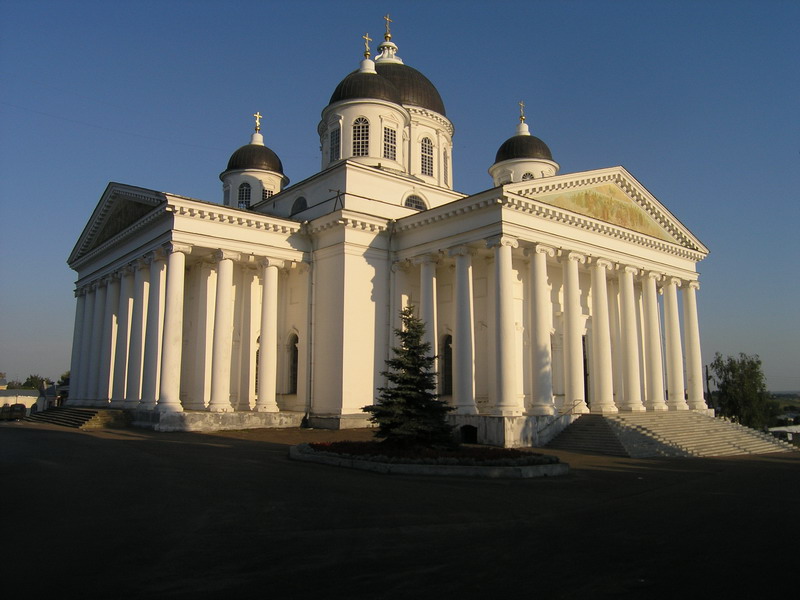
(2, 375)
(14, 384)
(409, 412)
(35, 382)
(741, 392)
(64, 379)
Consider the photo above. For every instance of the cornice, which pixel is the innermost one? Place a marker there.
(358, 222)
(440, 213)
(434, 116)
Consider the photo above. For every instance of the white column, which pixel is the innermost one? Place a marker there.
(203, 309)
(141, 281)
(124, 314)
(106, 365)
(541, 318)
(675, 390)
(694, 360)
(84, 379)
(268, 348)
(169, 397)
(632, 397)
(575, 394)
(463, 334)
(77, 332)
(97, 341)
(507, 402)
(602, 371)
(223, 334)
(654, 399)
(427, 292)
(153, 341)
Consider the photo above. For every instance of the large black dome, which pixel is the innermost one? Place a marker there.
(395, 82)
(255, 156)
(365, 85)
(523, 146)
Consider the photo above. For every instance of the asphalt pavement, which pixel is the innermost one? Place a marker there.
(138, 514)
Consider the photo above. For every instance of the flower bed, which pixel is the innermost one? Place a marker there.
(464, 455)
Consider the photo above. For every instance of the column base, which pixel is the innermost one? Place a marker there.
(220, 408)
(658, 408)
(681, 406)
(168, 408)
(634, 408)
(466, 410)
(541, 411)
(266, 409)
(506, 412)
(120, 404)
(604, 410)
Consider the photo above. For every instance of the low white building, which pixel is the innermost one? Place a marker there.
(540, 294)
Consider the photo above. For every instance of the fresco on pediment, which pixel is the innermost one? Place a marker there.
(610, 204)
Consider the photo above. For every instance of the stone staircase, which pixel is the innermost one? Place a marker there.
(82, 418)
(679, 433)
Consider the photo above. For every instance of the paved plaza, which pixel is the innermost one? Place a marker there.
(136, 514)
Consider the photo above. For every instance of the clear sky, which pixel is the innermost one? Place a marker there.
(699, 100)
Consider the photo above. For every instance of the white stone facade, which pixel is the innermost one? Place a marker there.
(543, 298)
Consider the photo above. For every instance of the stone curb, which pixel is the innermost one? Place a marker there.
(493, 472)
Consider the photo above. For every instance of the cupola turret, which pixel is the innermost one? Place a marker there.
(254, 172)
(522, 157)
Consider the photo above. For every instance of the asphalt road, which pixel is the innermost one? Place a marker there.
(136, 514)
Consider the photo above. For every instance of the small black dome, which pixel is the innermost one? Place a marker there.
(365, 85)
(523, 146)
(255, 156)
(415, 88)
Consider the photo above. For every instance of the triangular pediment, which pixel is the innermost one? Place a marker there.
(612, 196)
(120, 207)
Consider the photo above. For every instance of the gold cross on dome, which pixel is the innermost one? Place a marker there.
(367, 40)
(257, 115)
(388, 34)
(521, 111)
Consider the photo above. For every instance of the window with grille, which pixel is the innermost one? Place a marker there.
(415, 202)
(527, 176)
(293, 363)
(265, 193)
(427, 157)
(445, 168)
(335, 147)
(447, 366)
(360, 137)
(244, 195)
(389, 143)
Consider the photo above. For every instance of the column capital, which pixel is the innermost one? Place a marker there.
(628, 269)
(266, 261)
(603, 263)
(540, 249)
(654, 275)
(693, 285)
(220, 255)
(155, 255)
(676, 281)
(462, 250)
(576, 256)
(501, 240)
(126, 270)
(172, 247)
(425, 259)
(81, 291)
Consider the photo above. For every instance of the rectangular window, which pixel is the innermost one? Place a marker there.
(361, 137)
(335, 145)
(389, 143)
(427, 157)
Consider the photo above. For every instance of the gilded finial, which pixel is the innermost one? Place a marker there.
(388, 35)
(257, 115)
(367, 40)
(521, 111)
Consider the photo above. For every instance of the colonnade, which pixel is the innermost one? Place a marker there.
(128, 335)
(623, 323)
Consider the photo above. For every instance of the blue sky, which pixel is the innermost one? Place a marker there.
(699, 100)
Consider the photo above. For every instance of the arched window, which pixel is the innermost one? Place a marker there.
(427, 157)
(299, 205)
(360, 137)
(447, 366)
(415, 202)
(293, 364)
(527, 176)
(389, 143)
(335, 147)
(265, 193)
(244, 195)
(445, 168)
(226, 195)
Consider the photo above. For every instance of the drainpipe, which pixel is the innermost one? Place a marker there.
(304, 229)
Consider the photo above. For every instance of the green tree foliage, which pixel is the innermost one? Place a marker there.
(409, 412)
(35, 382)
(742, 390)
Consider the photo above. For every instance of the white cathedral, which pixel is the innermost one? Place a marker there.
(540, 295)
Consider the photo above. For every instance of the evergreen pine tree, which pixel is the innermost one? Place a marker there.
(409, 412)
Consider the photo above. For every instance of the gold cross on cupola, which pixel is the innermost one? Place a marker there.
(367, 40)
(258, 117)
(521, 111)
(388, 35)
